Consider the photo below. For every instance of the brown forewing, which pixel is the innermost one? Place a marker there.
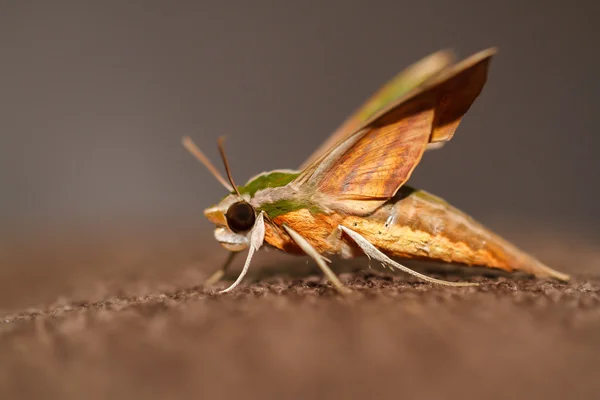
(366, 169)
(382, 159)
(408, 79)
(456, 95)
(455, 89)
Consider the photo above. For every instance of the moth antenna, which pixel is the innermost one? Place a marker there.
(257, 237)
(226, 164)
(199, 155)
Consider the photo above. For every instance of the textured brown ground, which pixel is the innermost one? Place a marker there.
(89, 317)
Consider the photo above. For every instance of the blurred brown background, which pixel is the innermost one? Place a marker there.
(99, 199)
(96, 95)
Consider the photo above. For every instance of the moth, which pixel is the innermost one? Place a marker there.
(350, 198)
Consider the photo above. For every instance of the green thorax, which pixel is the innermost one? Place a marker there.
(266, 180)
(275, 179)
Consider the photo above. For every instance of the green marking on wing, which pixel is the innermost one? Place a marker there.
(268, 180)
(282, 207)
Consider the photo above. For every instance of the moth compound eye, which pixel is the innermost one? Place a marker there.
(240, 217)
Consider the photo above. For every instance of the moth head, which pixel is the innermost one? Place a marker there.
(234, 217)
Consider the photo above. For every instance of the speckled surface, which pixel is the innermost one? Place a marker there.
(142, 327)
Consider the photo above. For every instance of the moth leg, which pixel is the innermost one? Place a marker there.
(314, 254)
(218, 274)
(372, 252)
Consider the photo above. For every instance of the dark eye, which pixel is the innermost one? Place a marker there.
(240, 217)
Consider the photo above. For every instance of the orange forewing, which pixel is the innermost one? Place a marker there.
(456, 95)
(455, 89)
(384, 156)
(363, 171)
(406, 80)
